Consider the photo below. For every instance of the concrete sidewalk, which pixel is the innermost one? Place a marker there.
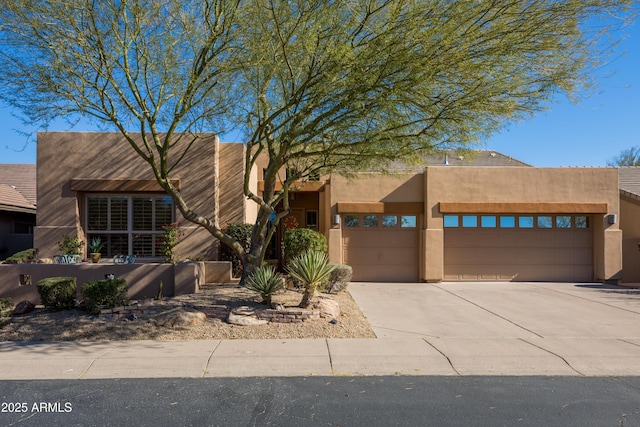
(444, 329)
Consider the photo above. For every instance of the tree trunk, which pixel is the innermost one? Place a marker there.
(253, 259)
(308, 296)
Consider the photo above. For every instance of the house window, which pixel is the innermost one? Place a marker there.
(469, 221)
(581, 221)
(408, 221)
(451, 221)
(351, 221)
(370, 221)
(22, 228)
(129, 224)
(389, 221)
(545, 222)
(312, 220)
(488, 221)
(525, 222)
(507, 222)
(563, 221)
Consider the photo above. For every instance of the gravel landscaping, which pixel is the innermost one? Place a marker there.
(77, 325)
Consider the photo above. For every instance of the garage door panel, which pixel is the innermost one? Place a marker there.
(541, 239)
(380, 273)
(373, 238)
(385, 256)
(518, 254)
(381, 254)
(535, 256)
(473, 256)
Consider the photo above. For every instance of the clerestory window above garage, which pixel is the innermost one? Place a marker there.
(517, 221)
(370, 221)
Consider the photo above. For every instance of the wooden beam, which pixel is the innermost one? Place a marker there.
(380, 207)
(120, 185)
(524, 207)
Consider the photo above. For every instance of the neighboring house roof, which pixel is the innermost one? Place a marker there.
(458, 158)
(12, 200)
(18, 187)
(629, 181)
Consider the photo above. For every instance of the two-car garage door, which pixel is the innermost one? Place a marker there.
(518, 247)
(523, 247)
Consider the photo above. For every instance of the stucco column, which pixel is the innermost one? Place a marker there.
(612, 254)
(434, 255)
(334, 242)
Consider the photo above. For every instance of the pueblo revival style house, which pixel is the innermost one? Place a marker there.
(484, 217)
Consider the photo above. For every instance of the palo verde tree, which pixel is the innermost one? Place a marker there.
(317, 86)
(627, 157)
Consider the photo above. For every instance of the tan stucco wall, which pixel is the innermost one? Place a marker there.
(630, 225)
(526, 185)
(232, 200)
(63, 156)
(368, 187)
(143, 280)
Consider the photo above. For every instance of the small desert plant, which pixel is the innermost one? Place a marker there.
(300, 240)
(169, 240)
(70, 245)
(265, 281)
(242, 234)
(339, 278)
(311, 269)
(96, 245)
(5, 304)
(58, 293)
(108, 293)
(27, 256)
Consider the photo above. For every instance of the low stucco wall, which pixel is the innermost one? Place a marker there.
(143, 279)
(218, 272)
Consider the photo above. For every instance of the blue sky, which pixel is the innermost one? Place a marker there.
(589, 133)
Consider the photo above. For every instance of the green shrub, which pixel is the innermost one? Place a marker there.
(5, 306)
(242, 233)
(339, 278)
(28, 256)
(70, 245)
(58, 293)
(265, 281)
(300, 240)
(108, 293)
(311, 269)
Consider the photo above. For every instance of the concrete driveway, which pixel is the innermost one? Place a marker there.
(512, 328)
(422, 329)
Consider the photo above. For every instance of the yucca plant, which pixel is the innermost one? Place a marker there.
(310, 269)
(265, 281)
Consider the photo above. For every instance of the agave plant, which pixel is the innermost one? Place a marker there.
(265, 281)
(310, 269)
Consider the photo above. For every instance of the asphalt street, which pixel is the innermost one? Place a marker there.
(325, 401)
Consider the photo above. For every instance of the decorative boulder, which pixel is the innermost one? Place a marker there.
(23, 307)
(244, 316)
(328, 307)
(179, 317)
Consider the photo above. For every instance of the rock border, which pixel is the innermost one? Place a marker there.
(285, 315)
